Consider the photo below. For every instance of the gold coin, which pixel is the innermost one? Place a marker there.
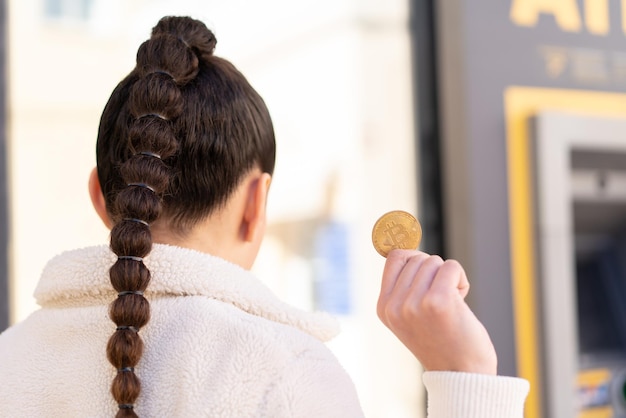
(396, 230)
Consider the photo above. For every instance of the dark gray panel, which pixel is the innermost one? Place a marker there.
(426, 115)
(4, 199)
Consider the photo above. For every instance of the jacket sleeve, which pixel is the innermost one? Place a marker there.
(313, 385)
(469, 395)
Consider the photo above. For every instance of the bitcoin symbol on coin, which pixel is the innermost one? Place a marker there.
(396, 234)
(396, 230)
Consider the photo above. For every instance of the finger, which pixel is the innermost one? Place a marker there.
(451, 278)
(396, 264)
(405, 302)
(464, 284)
(396, 260)
(424, 278)
(408, 273)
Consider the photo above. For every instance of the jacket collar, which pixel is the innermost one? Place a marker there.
(81, 278)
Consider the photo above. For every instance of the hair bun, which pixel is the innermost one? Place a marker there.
(168, 57)
(192, 32)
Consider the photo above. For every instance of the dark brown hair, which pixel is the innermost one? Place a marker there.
(175, 139)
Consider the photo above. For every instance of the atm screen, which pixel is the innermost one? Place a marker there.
(600, 316)
(601, 278)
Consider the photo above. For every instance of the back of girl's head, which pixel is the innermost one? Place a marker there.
(176, 137)
(218, 127)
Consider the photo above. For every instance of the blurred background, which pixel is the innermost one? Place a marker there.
(501, 125)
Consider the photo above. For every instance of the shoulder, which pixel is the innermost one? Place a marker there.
(204, 320)
(290, 373)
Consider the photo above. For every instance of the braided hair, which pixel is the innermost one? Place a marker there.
(176, 137)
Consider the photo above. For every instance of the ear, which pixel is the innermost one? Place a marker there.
(97, 198)
(253, 227)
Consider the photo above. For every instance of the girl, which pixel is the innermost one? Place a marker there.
(167, 321)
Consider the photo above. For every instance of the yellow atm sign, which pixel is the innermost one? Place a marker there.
(593, 15)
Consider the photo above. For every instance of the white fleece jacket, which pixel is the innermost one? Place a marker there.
(218, 344)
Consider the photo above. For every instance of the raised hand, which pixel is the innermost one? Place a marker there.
(422, 301)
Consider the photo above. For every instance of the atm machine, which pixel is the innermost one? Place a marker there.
(580, 207)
